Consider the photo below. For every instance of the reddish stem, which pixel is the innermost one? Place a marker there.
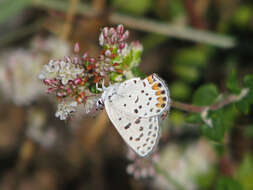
(198, 109)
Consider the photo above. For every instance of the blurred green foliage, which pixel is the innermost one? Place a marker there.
(232, 83)
(205, 180)
(227, 183)
(169, 9)
(244, 173)
(243, 16)
(245, 104)
(177, 118)
(205, 95)
(188, 64)
(12, 8)
(132, 6)
(180, 90)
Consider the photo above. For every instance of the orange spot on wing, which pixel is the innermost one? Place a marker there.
(158, 93)
(159, 105)
(160, 99)
(155, 86)
(150, 81)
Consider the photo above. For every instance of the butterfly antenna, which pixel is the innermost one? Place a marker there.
(103, 85)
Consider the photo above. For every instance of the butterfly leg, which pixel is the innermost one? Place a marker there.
(99, 89)
(103, 85)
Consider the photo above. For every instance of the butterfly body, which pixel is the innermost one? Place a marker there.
(135, 107)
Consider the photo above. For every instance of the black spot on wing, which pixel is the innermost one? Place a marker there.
(128, 125)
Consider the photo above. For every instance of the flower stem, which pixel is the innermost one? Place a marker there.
(220, 104)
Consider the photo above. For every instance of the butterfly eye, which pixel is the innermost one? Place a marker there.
(100, 104)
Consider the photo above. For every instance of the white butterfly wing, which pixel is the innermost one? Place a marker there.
(143, 98)
(140, 133)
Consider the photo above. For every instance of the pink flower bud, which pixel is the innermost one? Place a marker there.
(61, 87)
(67, 59)
(60, 94)
(47, 81)
(54, 81)
(68, 90)
(105, 32)
(120, 29)
(77, 48)
(77, 81)
(124, 36)
(50, 90)
(92, 60)
(85, 56)
(100, 57)
(122, 45)
(76, 60)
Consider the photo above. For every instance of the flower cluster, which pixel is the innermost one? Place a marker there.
(75, 80)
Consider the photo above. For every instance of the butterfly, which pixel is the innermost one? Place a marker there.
(135, 108)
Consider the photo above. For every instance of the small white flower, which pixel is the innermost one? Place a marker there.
(101, 39)
(64, 109)
(90, 105)
(68, 71)
(50, 71)
(62, 70)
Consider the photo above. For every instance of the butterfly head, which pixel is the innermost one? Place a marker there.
(108, 92)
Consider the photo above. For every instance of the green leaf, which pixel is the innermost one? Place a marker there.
(128, 59)
(244, 104)
(248, 81)
(228, 183)
(193, 118)
(205, 95)
(244, 173)
(232, 83)
(220, 149)
(136, 72)
(222, 121)
(249, 131)
(115, 77)
(93, 89)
